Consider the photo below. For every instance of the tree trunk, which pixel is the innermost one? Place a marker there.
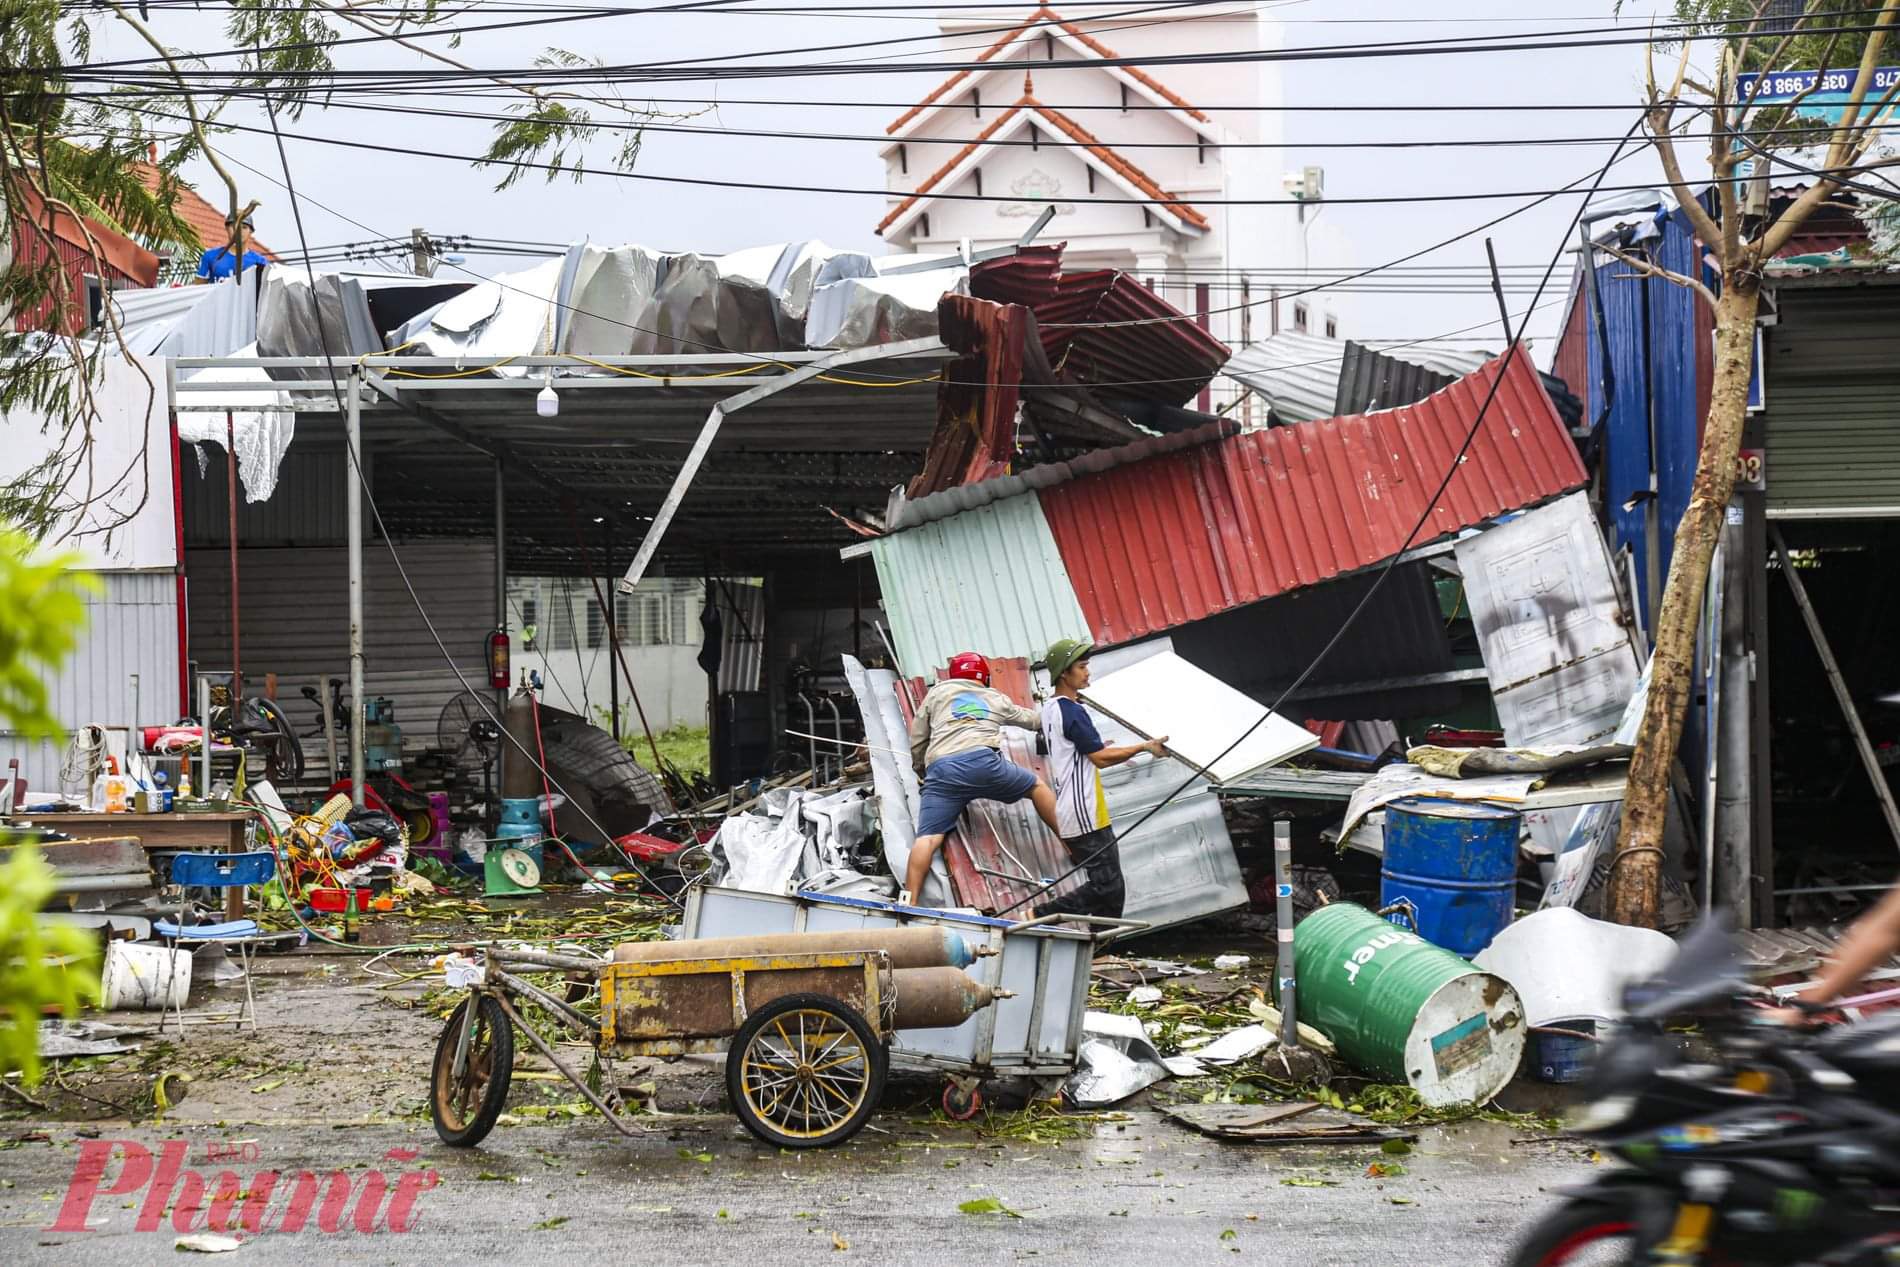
(1636, 872)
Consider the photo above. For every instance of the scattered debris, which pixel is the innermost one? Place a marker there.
(1115, 1060)
(1300, 1123)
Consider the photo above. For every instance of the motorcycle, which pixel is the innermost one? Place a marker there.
(1768, 1145)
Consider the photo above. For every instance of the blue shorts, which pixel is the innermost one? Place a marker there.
(952, 782)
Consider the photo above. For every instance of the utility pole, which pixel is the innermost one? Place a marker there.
(421, 253)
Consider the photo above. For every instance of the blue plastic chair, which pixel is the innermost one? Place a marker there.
(219, 871)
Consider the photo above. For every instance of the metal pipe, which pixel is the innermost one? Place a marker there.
(613, 629)
(230, 491)
(501, 576)
(1283, 924)
(1734, 809)
(837, 728)
(907, 947)
(353, 508)
(204, 737)
(811, 726)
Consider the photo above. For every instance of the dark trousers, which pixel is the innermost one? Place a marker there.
(1103, 891)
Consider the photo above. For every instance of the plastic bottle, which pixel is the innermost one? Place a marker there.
(184, 780)
(115, 794)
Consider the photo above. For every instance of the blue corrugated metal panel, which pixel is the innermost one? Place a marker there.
(1652, 426)
(1672, 376)
(988, 580)
(1625, 462)
(131, 627)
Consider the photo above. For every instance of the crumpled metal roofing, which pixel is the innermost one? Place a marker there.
(1168, 358)
(913, 512)
(1185, 535)
(989, 581)
(1296, 374)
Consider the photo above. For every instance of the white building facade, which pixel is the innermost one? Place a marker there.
(1054, 113)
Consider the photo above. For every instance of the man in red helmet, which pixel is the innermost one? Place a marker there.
(956, 742)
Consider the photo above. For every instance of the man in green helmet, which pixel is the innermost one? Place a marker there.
(1077, 756)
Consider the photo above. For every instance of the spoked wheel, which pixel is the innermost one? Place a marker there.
(465, 1108)
(1581, 1234)
(805, 1071)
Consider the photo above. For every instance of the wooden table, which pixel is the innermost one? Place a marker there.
(169, 833)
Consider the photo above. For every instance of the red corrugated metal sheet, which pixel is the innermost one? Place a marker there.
(1572, 362)
(990, 845)
(1160, 543)
(1168, 360)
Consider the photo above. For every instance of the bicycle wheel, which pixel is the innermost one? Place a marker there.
(805, 1071)
(465, 1109)
(277, 740)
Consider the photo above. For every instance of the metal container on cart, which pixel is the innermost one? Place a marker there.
(1033, 1034)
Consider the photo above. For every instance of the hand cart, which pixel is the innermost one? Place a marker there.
(806, 1036)
(1040, 967)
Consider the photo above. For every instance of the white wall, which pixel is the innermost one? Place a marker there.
(659, 634)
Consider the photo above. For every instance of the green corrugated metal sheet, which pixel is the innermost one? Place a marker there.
(1833, 402)
(988, 580)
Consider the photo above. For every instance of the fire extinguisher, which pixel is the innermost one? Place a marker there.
(498, 660)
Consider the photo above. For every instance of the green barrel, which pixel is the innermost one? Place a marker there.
(1399, 1007)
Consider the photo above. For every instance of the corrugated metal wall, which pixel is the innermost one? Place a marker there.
(305, 510)
(1833, 403)
(131, 627)
(295, 614)
(988, 580)
(1652, 331)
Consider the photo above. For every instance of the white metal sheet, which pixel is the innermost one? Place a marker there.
(1557, 649)
(1201, 715)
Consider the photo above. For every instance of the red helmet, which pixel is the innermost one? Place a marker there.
(970, 667)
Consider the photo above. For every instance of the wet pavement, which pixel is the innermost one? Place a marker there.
(1139, 1192)
(335, 1085)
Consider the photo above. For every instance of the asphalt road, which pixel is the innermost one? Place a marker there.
(1141, 1192)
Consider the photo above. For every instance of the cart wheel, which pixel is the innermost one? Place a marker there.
(805, 1071)
(465, 1110)
(961, 1103)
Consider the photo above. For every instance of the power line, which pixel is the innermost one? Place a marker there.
(660, 72)
(1391, 564)
(577, 170)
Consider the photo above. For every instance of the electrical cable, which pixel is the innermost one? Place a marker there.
(622, 74)
(403, 572)
(1294, 294)
(1379, 578)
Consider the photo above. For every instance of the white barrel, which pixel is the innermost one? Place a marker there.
(141, 978)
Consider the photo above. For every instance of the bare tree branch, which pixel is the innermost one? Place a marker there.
(1646, 268)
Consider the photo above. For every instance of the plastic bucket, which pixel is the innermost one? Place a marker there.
(1400, 1008)
(1456, 863)
(1564, 1057)
(141, 978)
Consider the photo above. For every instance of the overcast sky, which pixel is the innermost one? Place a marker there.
(351, 195)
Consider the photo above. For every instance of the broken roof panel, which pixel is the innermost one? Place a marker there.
(1214, 527)
(1156, 352)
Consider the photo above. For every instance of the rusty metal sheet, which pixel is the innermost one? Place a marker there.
(1160, 543)
(710, 998)
(1164, 360)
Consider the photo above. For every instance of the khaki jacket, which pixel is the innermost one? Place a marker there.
(959, 716)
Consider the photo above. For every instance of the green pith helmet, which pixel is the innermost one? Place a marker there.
(1063, 655)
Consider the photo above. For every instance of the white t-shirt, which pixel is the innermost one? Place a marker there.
(1081, 806)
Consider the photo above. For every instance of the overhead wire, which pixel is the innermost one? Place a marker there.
(402, 571)
(691, 69)
(1384, 571)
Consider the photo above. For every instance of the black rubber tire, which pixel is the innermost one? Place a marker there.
(283, 750)
(1559, 1234)
(877, 1065)
(492, 1048)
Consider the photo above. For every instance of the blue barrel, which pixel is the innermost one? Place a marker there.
(1456, 863)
